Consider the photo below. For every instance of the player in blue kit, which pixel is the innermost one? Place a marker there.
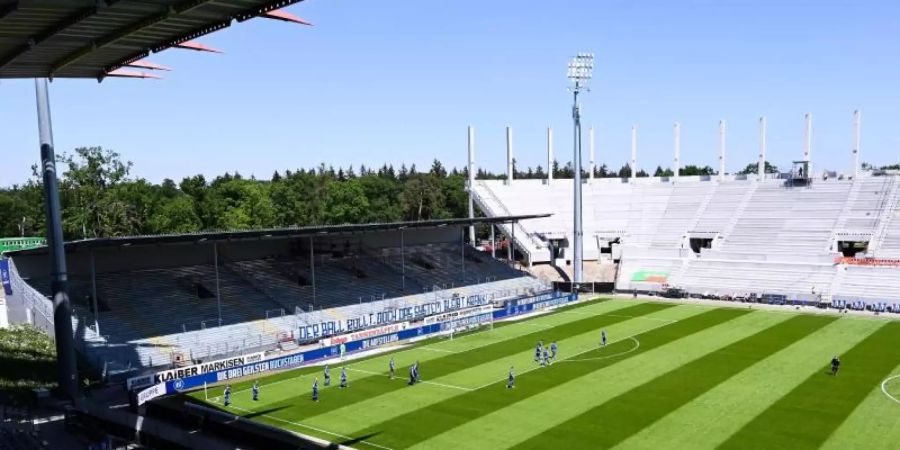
(327, 376)
(391, 367)
(553, 351)
(545, 357)
(511, 380)
(255, 391)
(344, 377)
(603, 338)
(227, 395)
(316, 390)
(835, 365)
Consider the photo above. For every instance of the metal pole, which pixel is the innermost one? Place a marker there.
(807, 139)
(677, 144)
(509, 244)
(218, 294)
(855, 160)
(549, 155)
(94, 294)
(509, 156)
(403, 259)
(493, 243)
(633, 151)
(761, 165)
(312, 270)
(471, 184)
(62, 309)
(721, 150)
(591, 145)
(578, 248)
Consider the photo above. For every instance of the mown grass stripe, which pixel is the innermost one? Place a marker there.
(471, 407)
(568, 398)
(299, 407)
(362, 415)
(723, 410)
(874, 422)
(630, 412)
(277, 386)
(806, 417)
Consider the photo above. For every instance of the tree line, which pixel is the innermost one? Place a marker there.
(101, 198)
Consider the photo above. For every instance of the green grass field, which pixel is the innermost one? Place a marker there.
(672, 376)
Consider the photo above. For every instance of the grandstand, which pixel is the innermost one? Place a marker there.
(728, 236)
(150, 301)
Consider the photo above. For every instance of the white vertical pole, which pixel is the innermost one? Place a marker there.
(591, 144)
(761, 165)
(855, 158)
(807, 138)
(677, 144)
(549, 155)
(471, 184)
(633, 152)
(509, 156)
(721, 150)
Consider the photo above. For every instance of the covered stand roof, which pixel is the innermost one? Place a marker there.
(291, 232)
(97, 38)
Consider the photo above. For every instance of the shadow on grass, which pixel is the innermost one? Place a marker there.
(358, 439)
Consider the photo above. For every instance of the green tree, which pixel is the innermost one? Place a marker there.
(754, 167)
(344, 202)
(422, 198)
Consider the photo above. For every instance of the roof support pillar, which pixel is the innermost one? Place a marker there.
(62, 309)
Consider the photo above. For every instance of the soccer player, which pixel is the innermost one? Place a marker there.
(835, 365)
(227, 395)
(511, 380)
(316, 390)
(327, 376)
(256, 390)
(416, 372)
(344, 377)
(537, 352)
(545, 359)
(391, 366)
(553, 350)
(603, 338)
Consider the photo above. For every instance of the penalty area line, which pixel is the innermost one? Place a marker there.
(667, 323)
(884, 387)
(310, 427)
(449, 386)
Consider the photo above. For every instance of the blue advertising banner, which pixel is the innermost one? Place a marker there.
(4, 276)
(296, 360)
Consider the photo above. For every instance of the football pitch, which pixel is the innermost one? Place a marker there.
(672, 376)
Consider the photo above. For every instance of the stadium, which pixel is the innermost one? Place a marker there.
(588, 309)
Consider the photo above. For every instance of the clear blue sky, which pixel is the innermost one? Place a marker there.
(399, 81)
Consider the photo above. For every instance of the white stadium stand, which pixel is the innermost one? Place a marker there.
(766, 236)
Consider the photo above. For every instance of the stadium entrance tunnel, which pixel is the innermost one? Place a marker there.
(851, 248)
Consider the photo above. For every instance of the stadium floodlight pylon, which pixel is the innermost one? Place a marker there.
(581, 69)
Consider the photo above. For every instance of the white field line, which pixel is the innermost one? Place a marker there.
(884, 387)
(637, 345)
(450, 386)
(583, 352)
(437, 350)
(429, 347)
(298, 424)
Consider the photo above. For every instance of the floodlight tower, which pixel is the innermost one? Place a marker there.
(580, 69)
